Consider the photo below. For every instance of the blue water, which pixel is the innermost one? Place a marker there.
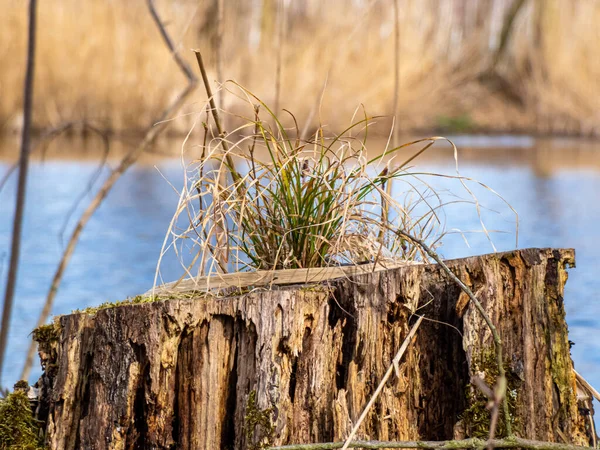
(116, 257)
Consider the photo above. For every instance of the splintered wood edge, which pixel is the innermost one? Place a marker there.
(263, 278)
(272, 277)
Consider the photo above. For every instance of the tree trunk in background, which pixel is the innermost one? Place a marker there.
(298, 364)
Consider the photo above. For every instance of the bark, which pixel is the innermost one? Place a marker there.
(297, 364)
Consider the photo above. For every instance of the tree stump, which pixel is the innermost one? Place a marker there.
(297, 364)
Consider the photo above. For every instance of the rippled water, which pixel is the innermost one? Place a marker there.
(554, 185)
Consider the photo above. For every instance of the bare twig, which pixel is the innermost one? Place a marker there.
(473, 443)
(13, 267)
(505, 34)
(183, 66)
(237, 178)
(495, 399)
(128, 160)
(215, 113)
(482, 312)
(373, 398)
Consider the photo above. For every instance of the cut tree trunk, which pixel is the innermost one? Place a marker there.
(297, 364)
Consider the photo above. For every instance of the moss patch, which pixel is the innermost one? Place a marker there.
(476, 417)
(18, 429)
(138, 299)
(47, 334)
(259, 430)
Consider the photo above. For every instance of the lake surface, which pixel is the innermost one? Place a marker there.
(554, 185)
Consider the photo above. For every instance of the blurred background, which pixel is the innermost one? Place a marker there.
(527, 66)
(514, 83)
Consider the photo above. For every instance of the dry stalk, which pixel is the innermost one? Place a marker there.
(218, 123)
(391, 368)
(495, 399)
(128, 160)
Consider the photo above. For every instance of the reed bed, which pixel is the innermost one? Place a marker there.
(104, 62)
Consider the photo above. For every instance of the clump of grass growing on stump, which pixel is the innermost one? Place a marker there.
(263, 198)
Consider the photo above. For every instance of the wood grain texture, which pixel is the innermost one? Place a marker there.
(179, 373)
(271, 277)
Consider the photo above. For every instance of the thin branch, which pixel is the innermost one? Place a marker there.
(215, 113)
(393, 365)
(184, 66)
(482, 312)
(473, 443)
(127, 161)
(494, 400)
(505, 34)
(13, 267)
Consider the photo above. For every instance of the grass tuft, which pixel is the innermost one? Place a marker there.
(264, 198)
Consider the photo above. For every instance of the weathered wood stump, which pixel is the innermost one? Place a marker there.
(297, 364)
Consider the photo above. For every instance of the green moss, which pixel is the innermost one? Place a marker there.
(138, 299)
(47, 337)
(259, 430)
(316, 287)
(18, 429)
(47, 334)
(476, 417)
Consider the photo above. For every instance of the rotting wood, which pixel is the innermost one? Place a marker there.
(394, 365)
(179, 373)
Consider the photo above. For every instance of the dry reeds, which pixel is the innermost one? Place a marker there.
(101, 66)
